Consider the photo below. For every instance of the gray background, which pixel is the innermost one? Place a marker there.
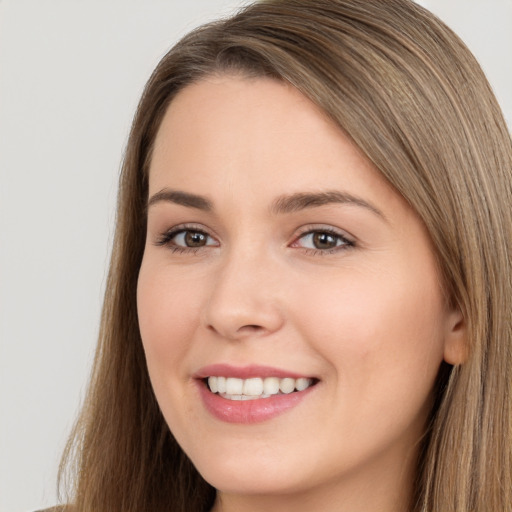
(71, 72)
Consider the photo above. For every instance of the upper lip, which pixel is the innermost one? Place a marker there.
(245, 372)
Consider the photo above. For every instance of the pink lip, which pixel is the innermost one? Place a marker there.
(244, 372)
(247, 411)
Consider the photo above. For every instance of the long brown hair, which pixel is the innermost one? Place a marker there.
(413, 98)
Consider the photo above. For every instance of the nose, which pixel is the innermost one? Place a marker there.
(245, 299)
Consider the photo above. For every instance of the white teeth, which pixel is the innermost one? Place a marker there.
(256, 387)
(287, 385)
(271, 385)
(302, 384)
(221, 384)
(243, 397)
(212, 383)
(234, 386)
(253, 387)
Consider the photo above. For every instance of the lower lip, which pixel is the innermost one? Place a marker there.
(249, 411)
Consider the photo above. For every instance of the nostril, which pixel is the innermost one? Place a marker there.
(250, 328)
(244, 329)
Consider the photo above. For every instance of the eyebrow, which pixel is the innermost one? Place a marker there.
(282, 205)
(181, 198)
(301, 201)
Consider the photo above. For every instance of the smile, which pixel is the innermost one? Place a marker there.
(232, 388)
(252, 394)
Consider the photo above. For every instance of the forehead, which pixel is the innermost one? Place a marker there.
(227, 111)
(255, 135)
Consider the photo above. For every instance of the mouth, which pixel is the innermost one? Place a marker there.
(256, 388)
(252, 394)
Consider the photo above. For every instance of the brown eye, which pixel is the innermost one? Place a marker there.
(195, 239)
(184, 239)
(324, 240)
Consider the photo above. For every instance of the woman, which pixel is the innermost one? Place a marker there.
(308, 305)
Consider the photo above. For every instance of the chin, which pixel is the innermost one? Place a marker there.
(252, 485)
(251, 477)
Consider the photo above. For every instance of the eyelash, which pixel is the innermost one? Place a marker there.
(346, 243)
(165, 240)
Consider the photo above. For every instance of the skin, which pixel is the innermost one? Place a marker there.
(368, 319)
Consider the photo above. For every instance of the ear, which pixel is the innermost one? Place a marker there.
(456, 343)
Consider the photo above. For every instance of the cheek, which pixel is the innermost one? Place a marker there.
(381, 333)
(168, 317)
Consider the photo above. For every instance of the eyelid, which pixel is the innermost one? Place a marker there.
(326, 228)
(348, 240)
(166, 236)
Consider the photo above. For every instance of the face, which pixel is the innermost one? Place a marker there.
(280, 262)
